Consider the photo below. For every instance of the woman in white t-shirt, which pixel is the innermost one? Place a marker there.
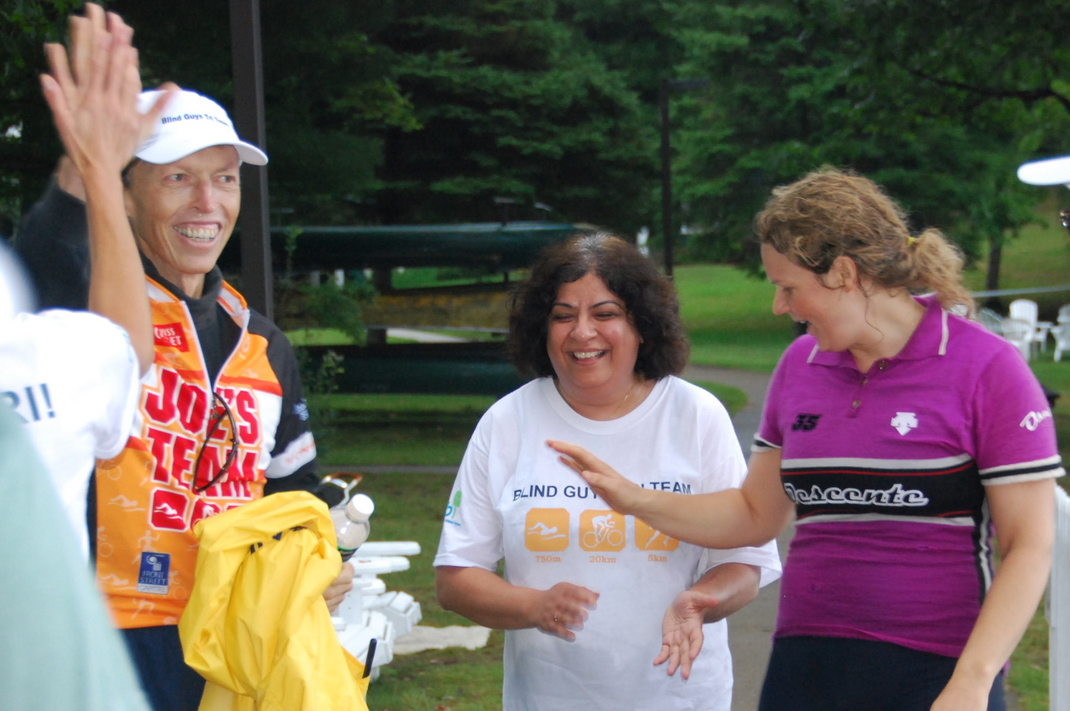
(588, 595)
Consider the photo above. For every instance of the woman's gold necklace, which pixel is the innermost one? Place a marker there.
(626, 396)
(616, 410)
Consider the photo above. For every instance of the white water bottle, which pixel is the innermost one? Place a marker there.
(351, 526)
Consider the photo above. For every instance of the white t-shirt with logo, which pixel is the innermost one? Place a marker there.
(514, 500)
(72, 378)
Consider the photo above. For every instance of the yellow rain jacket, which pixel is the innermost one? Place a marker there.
(256, 626)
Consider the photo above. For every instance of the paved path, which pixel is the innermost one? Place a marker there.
(750, 631)
(412, 334)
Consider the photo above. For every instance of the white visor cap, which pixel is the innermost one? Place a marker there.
(191, 123)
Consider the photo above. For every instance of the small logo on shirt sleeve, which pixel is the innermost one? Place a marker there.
(453, 509)
(1033, 420)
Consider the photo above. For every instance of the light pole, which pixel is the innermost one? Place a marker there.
(668, 85)
(246, 57)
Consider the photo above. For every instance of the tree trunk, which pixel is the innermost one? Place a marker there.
(995, 254)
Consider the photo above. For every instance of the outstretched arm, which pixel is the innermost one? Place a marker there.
(93, 98)
(732, 518)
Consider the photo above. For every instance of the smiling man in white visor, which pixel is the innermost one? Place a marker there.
(183, 192)
(221, 417)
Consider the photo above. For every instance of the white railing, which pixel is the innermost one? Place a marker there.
(1057, 609)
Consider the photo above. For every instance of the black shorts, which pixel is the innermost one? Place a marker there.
(169, 684)
(831, 673)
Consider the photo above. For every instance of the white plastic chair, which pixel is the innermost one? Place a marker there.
(1026, 310)
(1061, 332)
(1062, 339)
(990, 320)
(1020, 333)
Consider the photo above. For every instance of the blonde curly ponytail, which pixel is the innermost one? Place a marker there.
(830, 212)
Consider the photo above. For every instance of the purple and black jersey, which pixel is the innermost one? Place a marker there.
(888, 471)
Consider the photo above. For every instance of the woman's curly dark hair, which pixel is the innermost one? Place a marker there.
(649, 298)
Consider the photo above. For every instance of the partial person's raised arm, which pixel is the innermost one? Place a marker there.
(93, 98)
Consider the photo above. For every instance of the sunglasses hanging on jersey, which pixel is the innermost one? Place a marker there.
(220, 409)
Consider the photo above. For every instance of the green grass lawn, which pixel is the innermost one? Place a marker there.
(382, 429)
(729, 318)
(1039, 256)
(410, 430)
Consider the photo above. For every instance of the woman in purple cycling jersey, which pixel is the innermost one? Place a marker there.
(907, 442)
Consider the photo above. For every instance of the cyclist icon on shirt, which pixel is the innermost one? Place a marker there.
(601, 531)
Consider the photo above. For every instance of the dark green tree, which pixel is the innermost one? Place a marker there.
(998, 68)
(638, 38)
(327, 91)
(28, 142)
(872, 86)
(514, 104)
(426, 110)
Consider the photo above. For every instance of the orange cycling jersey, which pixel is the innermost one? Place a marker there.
(196, 449)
